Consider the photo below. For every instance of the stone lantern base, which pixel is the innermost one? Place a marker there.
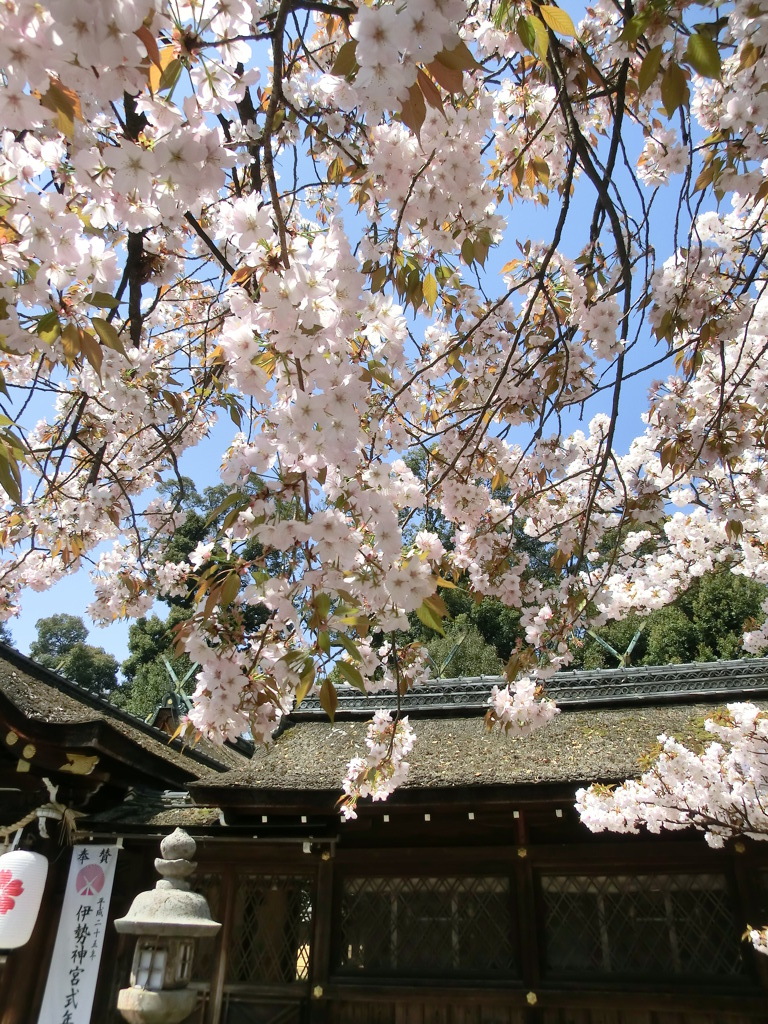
(141, 1006)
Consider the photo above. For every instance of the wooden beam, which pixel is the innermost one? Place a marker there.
(639, 998)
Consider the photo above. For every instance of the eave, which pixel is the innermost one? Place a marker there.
(94, 749)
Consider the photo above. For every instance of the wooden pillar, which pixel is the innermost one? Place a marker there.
(749, 906)
(223, 941)
(320, 962)
(528, 944)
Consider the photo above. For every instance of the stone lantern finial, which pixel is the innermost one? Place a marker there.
(176, 864)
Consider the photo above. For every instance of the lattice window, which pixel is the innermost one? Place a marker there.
(271, 930)
(246, 1011)
(640, 925)
(427, 926)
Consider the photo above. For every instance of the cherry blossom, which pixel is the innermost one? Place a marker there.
(384, 768)
(519, 710)
(360, 235)
(720, 791)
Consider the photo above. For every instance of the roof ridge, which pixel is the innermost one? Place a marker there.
(737, 679)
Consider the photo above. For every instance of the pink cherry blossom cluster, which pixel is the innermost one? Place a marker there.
(217, 211)
(720, 791)
(520, 709)
(384, 768)
(392, 40)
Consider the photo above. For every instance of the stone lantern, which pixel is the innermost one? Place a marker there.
(167, 920)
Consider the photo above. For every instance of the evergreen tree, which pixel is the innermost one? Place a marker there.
(151, 646)
(152, 640)
(61, 646)
(706, 623)
(463, 651)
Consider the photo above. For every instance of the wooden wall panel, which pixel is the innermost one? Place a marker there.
(425, 1012)
(580, 1015)
(575, 1016)
(437, 1012)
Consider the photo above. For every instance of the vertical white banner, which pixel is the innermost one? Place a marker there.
(74, 968)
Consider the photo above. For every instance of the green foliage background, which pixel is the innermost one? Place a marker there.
(61, 646)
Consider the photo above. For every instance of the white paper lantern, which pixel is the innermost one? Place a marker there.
(22, 881)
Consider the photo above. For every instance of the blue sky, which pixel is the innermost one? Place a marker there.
(74, 593)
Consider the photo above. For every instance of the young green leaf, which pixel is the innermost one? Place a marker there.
(351, 675)
(430, 90)
(306, 681)
(92, 350)
(447, 78)
(674, 89)
(48, 327)
(540, 45)
(103, 300)
(649, 69)
(323, 605)
(558, 20)
(231, 589)
(501, 15)
(703, 55)
(65, 104)
(429, 289)
(459, 58)
(70, 342)
(170, 75)
(414, 110)
(107, 334)
(349, 646)
(10, 475)
(345, 65)
(427, 614)
(636, 25)
(328, 697)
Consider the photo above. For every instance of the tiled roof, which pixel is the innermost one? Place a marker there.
(727, 680)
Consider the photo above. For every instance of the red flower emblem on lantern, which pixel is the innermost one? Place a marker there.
(9, 887)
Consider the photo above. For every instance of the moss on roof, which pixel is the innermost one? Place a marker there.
(153, 809)
(577, 746)
(40, 701)
(44, 696)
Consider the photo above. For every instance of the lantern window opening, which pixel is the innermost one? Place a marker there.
(151, 961)
(186, 956)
